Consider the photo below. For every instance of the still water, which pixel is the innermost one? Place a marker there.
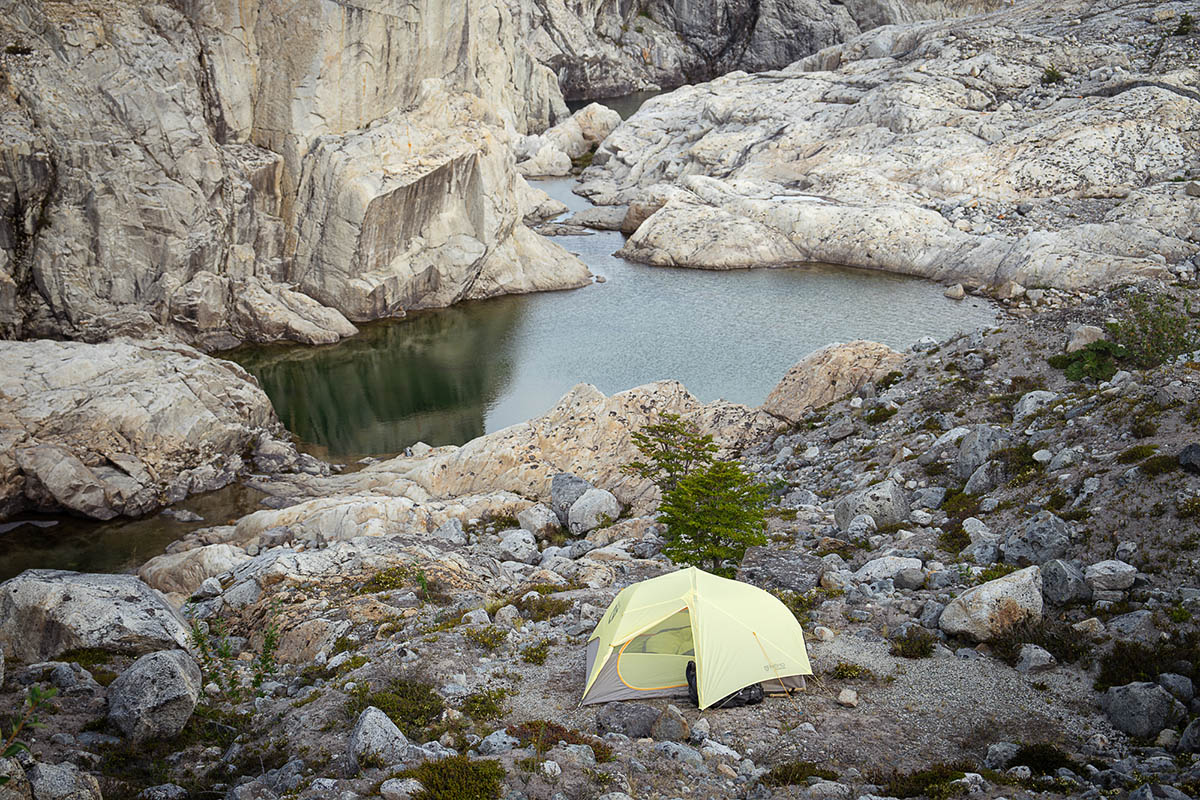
(446, 376)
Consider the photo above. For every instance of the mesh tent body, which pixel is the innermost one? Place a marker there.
(737, 634)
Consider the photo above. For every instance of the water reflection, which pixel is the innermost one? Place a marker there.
(430, 377)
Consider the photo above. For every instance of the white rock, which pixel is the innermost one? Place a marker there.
(155, 696)
(1112, 575)
(594, 508)
(985, 611)
(885, 567)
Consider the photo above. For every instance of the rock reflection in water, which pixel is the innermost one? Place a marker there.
(430, 377)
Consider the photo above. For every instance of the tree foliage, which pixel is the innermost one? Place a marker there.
(713, 514)
(671, 449)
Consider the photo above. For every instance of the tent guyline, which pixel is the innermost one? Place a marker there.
(736, 634)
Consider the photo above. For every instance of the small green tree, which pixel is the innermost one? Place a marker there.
(1156, 330)
(712, 515)
(671, 449)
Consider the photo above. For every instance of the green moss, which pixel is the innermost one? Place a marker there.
(847, 671)
(936, 782)
(541, 735)
(994, 571)
(915, 643)
(485, 704)
(1136, 453)
(1189, 508)
(536, 653)
(791, 773)
(390, 579)
(879, 414)
(412, 704)
(1178, 614)
(489, 637)
(457, 778)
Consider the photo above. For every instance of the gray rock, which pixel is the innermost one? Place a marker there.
(165, 791)
(400, 788)
(518, 545)
(1063, 583)
(985, 611)
(670, 726)
(931, 613)
(61, 782)
(155, 696)
(451, 531)
(1142, 709)
(565, 489)
(977, 447)
(1000, 755)
(1109, 576)
(1189, 742)
(983, 480)
(1038, 540)
(886, 567)
(1031, 403)
(1, 663)
(1034, 659)
(476, 616)
(1178, 685)
(634, 720)
(931, 498)
(677, 751)
(1189, 459)
(17, 787)
(886, 502)
(1135, 626)
(541, 521)
(376, 740)
(911, 579)
(45, 612)
(496, 742)
(772, 568)
(209, 588)
(594, 508)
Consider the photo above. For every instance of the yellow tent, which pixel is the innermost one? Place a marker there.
(737, 634)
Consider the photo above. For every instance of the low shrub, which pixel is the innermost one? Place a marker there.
(457, 778)
(915, 643)
(1159, 465)
(536, 653)
(1136, 453)
(846, 671)
(484, 704)
(488, 637)
(1186, 26)
(879, 414)
(1097, 361)
(791, 773)
(1052, 75)
(1043, 759)
(994, 571)
(542, 608)
(1155, 330)
(1128, 662)
(541, 735)
(413, 705)
(1057, 638)
(936, 782)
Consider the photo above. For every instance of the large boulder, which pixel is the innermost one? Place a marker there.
(988, 610)
(886, 503)
(101, 430)
(45, 612)
(183, 572)
(1142, 709)
(594, 508)
(1039, 539)
(61, 782)
(376, 740)
(1110, 576)
(1189, 742)
(977, 447)
(1063, 583)
(155, 696)
(565, 489)
(635, 720)
(828, 374)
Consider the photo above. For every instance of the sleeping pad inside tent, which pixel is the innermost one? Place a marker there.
(737, 634)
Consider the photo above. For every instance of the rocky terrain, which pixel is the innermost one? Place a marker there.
(1027, 147)
(226, 172)
(995, 565)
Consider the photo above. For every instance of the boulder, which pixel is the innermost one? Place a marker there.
(121, 428)
(885, 502)
(61, 782)
(1189, 459)
(46, 612)
(376, 741)
(828, 374)
(635, 720)
(1041, 538)
(1082, 336)
(988, 610)
(541, 521)
(1180, 686)
(1135, 626)
(1031, 403)
(518, 545)
(183, 572)
(1110, 576)
(565, 489)
(1142, 709)
(450, 532)
(886, 567)
(155, 696)
(1063, 583)
(1189, 742)
(497, 742)
(594, 508)
(976, 448)
(670, 726)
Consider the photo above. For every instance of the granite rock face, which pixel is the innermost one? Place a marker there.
(221, 207)
(45, 612)
(123, 427)
(605, 49)
(909, 148)
(829, 374)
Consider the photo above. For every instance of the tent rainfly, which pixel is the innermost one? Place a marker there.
(737, 634)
